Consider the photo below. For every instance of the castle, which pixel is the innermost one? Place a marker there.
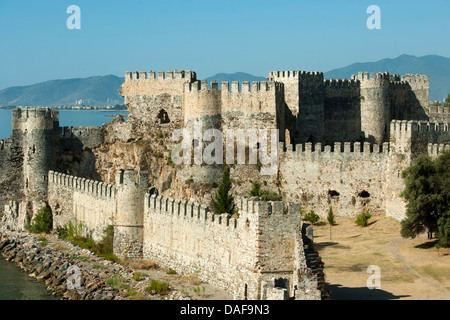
(342, 144)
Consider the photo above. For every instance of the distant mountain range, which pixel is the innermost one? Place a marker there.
(104, 90)
(436, 67)
(98, 90)
(238, 76)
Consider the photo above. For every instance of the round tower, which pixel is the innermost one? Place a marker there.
(202, 111)
(129, 217)
(35, 129)
(375, 107)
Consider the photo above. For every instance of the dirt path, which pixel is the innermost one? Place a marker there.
(409, 268)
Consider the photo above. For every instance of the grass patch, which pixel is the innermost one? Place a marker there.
(435, 272)
(140, 264)
(43, 241)
(171, 271)
(117, 282)
(81, 258)
(73, 233)
(399, 278)
(137, 276)
(158, 287)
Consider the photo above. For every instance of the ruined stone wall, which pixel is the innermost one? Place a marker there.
(347, 177)
(235, 254)
(81, 200)
(155, 98)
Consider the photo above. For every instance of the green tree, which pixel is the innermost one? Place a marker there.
(224, 200)
(330, 219)
(447, 101)
(427, 195)
(312, 217)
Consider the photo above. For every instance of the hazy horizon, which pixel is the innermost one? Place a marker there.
(254, 37)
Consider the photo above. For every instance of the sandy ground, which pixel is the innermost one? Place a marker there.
(408, 268)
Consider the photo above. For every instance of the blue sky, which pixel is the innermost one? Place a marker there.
(210, 36)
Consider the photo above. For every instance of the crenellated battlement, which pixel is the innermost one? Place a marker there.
(372, 76)
(128, 178)
(234, 86)
(403, 85)
(33, 113)
(313, 76)
(161, 75)
(87, 186)
(439, 110)
(435, 149)
(404, 126)
(338, 148)
(341, 83)
(416, 79)
(191, 211)
(79, 131)
(5, 144)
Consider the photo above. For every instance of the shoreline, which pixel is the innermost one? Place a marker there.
(57, 265)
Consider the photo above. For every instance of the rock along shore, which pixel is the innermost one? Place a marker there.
(54, 265)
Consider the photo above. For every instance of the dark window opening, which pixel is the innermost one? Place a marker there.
(333, 193)
(163, 116)
(364, 194)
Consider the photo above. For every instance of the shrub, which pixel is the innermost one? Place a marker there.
(256, 190)
(312, 217)
(137, 276)
(42, 222)
(158, 287)
(270, 196)
(265, 195)
(171, 271)
(117, 282)
(363, 218)
(103, 249)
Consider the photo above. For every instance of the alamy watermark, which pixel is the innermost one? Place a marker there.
(374, 21)
(262, 146)
(374, 281)
(74, 20)
(74, 279)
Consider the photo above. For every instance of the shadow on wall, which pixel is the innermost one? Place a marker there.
(75, 158)
(411, 109)
(338, 292)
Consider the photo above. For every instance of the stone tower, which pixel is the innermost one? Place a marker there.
(129, 215)
(36, 130)
(375, 106)
(304, 97)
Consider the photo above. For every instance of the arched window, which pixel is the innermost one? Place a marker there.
(163, 116)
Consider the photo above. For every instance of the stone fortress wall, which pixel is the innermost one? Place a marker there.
(240, 255)
(343, 144)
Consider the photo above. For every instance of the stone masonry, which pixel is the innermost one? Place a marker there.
(343, 143)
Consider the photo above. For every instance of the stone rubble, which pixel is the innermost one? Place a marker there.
(52, 266)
